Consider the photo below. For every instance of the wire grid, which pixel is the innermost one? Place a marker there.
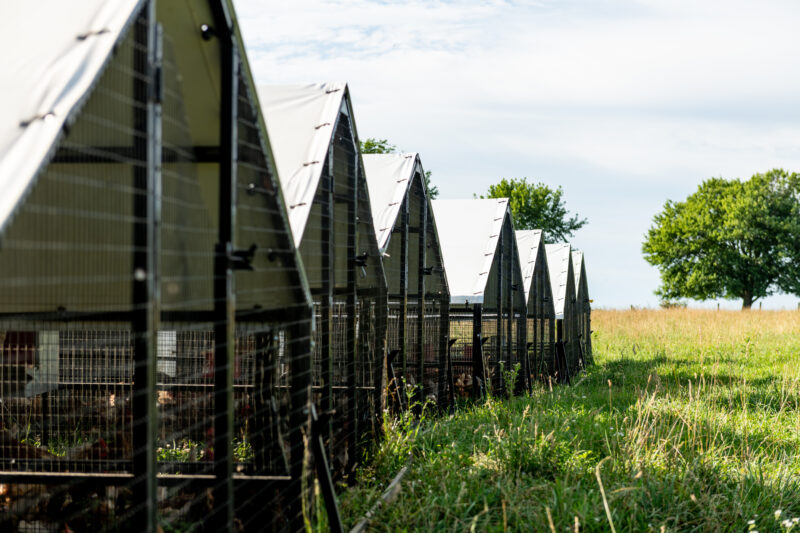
(412, 374)
(493, 348)
(343, 268)
(66, 384)
(185, 348)
(270, 425)
(436, 308)
(263, 350)
(433, 381)
(461, 332)
(66, 381)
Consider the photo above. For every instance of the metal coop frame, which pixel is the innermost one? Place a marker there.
(155, 324)
(314, 137)
(584, 306)
(419, 298)
(487, 298)
(562, 282)
(541, 311)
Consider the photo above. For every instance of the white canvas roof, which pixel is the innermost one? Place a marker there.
(577, 268)
(528, 245)
(558, 262)
(54, 51)
(388, 179)
(468, 233)
(301, 120)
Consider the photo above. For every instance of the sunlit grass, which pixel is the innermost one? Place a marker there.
(690, 419)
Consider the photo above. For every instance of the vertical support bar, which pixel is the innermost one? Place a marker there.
(422, 240)
(446, 385)
(513, 349)
(353, 348)
(478, 376)
(325, 349)
(221, 518)
(403, 319)
(589, 354)
(551, 341)
(264, 436)
(500, 345)
(300, 334)
(146, 209)
(381, 368)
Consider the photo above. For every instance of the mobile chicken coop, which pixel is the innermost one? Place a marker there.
(412, 259)
(487, 299)
(314, 138)
(154, 320)
(562, 282)
(541, 322)
(584, 306)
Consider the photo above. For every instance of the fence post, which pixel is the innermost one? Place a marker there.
(352, 345)
(221, 518)
(403, 319)
(300, 335)
(478, 377)
(501, 337)
(422, 240)
(445, 369)
(145, 296)
(325, 350)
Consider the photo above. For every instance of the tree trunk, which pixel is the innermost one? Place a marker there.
(747, 300)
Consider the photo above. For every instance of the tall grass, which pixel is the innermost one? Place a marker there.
(689, 421)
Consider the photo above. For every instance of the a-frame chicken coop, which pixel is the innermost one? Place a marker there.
(314, 139)
(562, 282)
(154, 320)
(419, 298)
(487, 298)
(540, 336)
(583, 303)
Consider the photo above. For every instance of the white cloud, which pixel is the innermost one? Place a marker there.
(622, 103)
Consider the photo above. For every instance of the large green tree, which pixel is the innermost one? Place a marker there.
(383, 146)
(735, 239)
(537, 206)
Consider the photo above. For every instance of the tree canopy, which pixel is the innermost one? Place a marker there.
(537, 206)
(730, 239)
(372, 145)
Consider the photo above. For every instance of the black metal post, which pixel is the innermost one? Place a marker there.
(221, 518)
(401, 326)
(500, 344)
(145, 295)
(353, 349)
(510, 362)
(478, 376)
(446, 386)
(328, 262)
(422, 240)
(300, 335)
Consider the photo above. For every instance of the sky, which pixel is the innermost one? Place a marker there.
(624, 104)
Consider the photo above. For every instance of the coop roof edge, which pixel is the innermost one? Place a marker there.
(51, 81)
(559, 264)
(301, 121)
(469, 231)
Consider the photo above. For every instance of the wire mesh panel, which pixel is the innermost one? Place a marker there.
(92, 384)
(346, 278)
(461, 351)
(434, 363)
(66, 343)
(541, 321)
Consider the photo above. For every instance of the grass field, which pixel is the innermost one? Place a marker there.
(689, 421)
